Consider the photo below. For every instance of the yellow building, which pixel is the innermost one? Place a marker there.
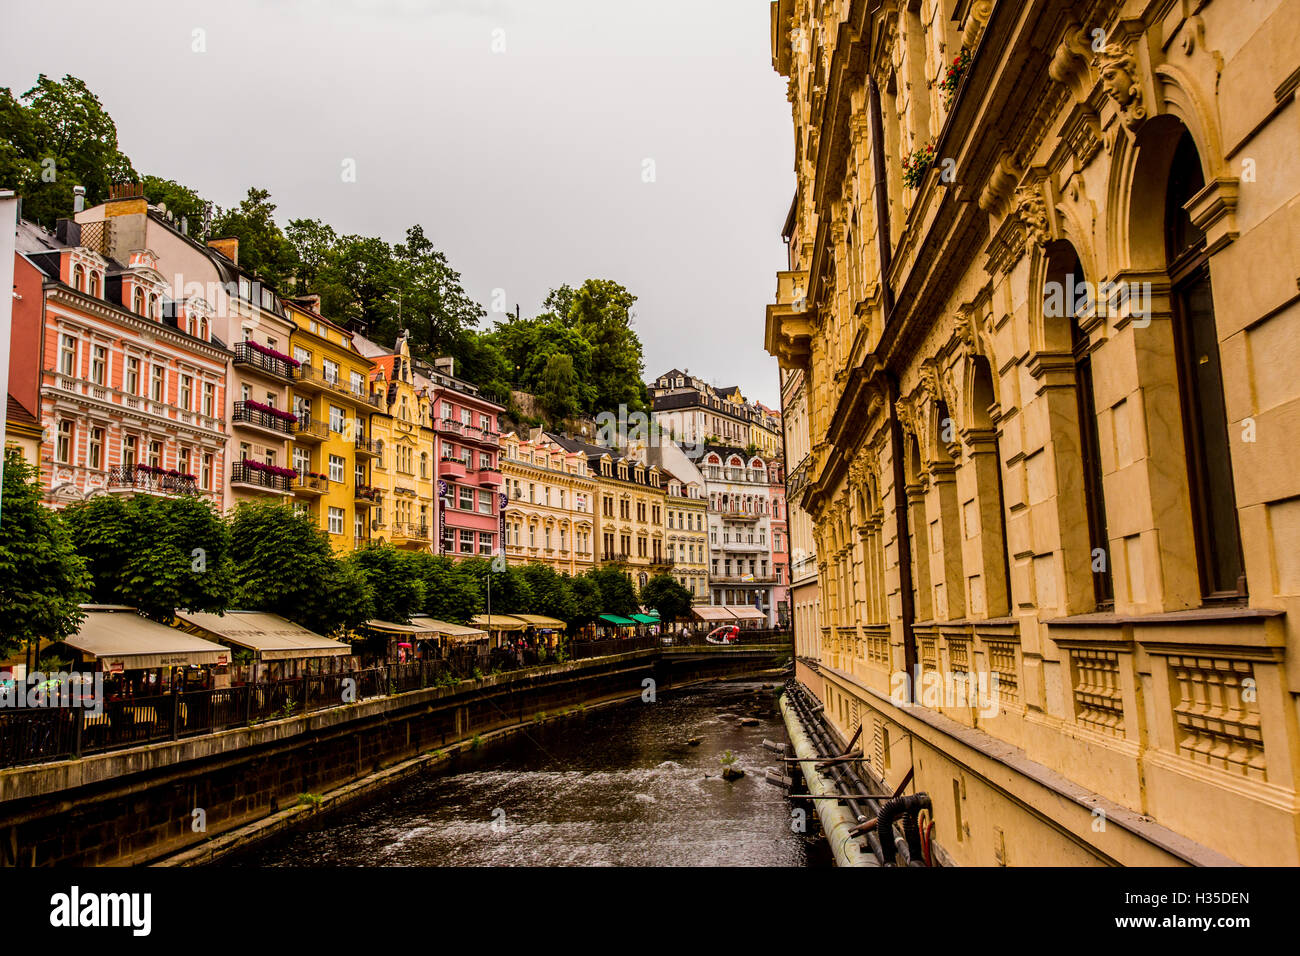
(630, 510)
(333, 448)
(1045, 307)
(550, 515)
(23, 430)
(686, 527)
(404, 473)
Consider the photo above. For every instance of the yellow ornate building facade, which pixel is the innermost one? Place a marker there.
(333, 448)
(551, 501)
(1046, 307)
(403, 470)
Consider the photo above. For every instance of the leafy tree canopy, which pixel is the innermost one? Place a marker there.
(42, 578)
(155, 554)
(666, 595)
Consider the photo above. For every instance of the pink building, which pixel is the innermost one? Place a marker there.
(132, 383)
(467, 452)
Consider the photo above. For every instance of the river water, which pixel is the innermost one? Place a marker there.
(614, 786)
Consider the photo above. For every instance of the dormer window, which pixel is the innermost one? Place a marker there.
(78, 277)
(94, 284)
(137, 301)
(245, 289)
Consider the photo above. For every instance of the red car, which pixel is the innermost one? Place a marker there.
(726, 634)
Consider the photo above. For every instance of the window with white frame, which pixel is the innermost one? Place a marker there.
(336, 520)
(68, 355)
(63, 442)
(337, 466)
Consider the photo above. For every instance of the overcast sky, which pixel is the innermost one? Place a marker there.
(520, 133)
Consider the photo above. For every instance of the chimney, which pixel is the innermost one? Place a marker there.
(227, 247)
(78, 199)
(446, 365)
(185, 226)
(311, 301)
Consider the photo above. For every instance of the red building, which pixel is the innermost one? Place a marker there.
(131, 382)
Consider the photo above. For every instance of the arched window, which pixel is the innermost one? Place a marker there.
(137, 301)
(94, 284)
(78, 277)
(1200, 381)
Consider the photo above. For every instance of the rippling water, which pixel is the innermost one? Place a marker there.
(619, 786)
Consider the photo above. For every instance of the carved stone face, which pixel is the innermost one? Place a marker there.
(1117, 72)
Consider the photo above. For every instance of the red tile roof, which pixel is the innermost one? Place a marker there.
(15, 412)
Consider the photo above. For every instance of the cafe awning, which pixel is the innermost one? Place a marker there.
(454, 632)
(270, 636)
(500, 622)
(541, 620)
(615, 619)
(746, 612)
(645, 619)
(711, 613)
(122, 640)
(412, 631)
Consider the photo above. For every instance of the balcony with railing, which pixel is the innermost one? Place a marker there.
(741, 579)
(263, 418)
(365, 496)
(258, 358)
(490, 477)
(311, 486)
(143, 478)
(408, 533)
(255, 476)
(448, 426)
(310, 431)
(367, 448)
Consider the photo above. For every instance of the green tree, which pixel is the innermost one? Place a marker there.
(283, 563)
(559, 389)
(601, 311)
(617, 593)
(666, 595)
(481, 362)
(451, 591)
(551, 592)
(398, 589)
(434, 305)
(57, 137)
(180, 201)
(158, 555)
(263, 249)
(510, 590)
(42, 578)
(587, 602)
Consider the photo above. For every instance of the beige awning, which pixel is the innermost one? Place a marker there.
(500, 622)
(270, 636)
(412, 630)
(454, 632)
(122, 640)
(708, 612)
(746, 612)
(541, 620)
